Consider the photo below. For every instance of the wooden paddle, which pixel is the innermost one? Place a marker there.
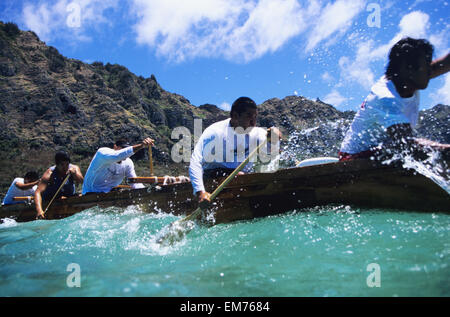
(57, 192)
(153, 179)
(23, 198)
(181, 227)
(150, 157)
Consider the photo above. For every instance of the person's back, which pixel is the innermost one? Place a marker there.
(110, 166)
(107, 170)
(21, 187)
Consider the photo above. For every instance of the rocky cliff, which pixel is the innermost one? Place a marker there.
(49, 102)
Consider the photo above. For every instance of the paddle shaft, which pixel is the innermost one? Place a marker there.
(22, 198)
(155, 179)
(150, 157)
(197, 212)
(57, 192)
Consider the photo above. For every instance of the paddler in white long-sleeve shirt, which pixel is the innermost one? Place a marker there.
(109, 167)
(226, 144)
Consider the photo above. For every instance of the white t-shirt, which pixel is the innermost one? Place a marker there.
(382, 108)
(15, 191)
(221, 147)
(105, 172)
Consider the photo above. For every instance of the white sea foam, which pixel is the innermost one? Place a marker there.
(131, 226)
(8, 223)
(432, 167)
(133, 209)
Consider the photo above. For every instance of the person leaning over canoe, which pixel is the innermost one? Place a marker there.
(52, 180)
(21, 187)
(383, 124)
(236, 134)
(109, 166)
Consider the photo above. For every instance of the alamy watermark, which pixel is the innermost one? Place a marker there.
(235, 146)
(74, 15)
(374, 278)
(74, 278)
(374, 18)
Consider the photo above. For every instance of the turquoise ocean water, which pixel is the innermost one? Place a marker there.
(327, 251)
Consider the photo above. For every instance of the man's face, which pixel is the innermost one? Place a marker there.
(62, 167)
(245, 119)
(419, 76)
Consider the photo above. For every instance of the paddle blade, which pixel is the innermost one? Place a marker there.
(175, 232)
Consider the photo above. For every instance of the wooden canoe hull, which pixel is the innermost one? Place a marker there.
(359, 183)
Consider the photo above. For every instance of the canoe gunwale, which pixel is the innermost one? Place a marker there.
(359, 182)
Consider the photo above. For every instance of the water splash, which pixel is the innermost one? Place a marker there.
(175, 232)
(317, 140)
(7, 223)
(433, 167)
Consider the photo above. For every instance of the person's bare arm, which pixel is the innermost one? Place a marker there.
(42, 186)
(145, 143)
(440, 66)
(25, 186)
(204, 199)
(76, 173)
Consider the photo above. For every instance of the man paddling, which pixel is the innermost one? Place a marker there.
(22, 187)
(226, 144)
(109, 167)
(383, 124)
(52, 181)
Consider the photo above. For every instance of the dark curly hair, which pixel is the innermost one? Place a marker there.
(32, 176)
(61, 157)
(241, 105)
(409, 50)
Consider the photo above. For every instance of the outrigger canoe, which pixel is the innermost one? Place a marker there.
(358, 183)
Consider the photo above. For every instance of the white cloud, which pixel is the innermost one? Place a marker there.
(238, 30)
(442, 95)
(41, 19)
(225, 106)
(334, 18)
(441, 41)
(334, 98)
(326, 77)
(234, 29)
(358, 68)
(269, 26)
(414, 24)
(50, 20)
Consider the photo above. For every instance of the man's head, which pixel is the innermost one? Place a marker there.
(243, 113)
(62, 161)
(410, 62)
(121, 144)
(30, 177)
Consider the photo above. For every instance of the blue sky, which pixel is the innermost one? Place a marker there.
(214, 51)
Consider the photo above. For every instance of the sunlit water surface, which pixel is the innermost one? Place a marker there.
(318, 252)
